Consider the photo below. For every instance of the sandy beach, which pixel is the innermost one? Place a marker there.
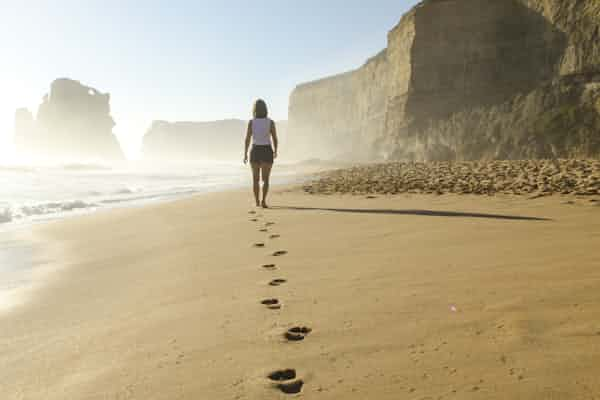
(410, 296)
(433, 221)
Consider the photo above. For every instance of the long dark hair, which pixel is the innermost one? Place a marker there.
(260, 109)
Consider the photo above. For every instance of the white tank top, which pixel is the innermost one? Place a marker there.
(261, 131)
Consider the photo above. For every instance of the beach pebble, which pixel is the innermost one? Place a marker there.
(534, 178)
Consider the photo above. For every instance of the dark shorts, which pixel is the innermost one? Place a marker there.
(261, 154)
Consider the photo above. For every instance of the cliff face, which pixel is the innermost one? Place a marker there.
(558, 119)
(211, 140)
(73, 122)
(448, 58)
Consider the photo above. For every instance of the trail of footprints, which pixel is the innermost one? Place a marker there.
(284, 380)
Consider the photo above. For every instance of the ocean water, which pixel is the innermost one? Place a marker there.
(34, 194)
(31, 194)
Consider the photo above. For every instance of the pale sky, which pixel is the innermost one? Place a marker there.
(182, 60)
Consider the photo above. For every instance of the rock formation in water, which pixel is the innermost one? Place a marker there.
(73, 123)
(212, 140)
(464, 79)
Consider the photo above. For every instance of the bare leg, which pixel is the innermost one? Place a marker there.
(266, 175)
(256, 181)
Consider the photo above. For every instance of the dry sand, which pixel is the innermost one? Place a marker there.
(404, 297)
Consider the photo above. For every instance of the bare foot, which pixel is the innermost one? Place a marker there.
(264, 205)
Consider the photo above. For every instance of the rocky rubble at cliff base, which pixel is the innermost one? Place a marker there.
(530, 177)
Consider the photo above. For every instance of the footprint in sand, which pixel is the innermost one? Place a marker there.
(279, 253)
(291, 387)
(272, 304)
(274, 236)
(251, 212)
(282, 375)
(269, 266)
(264, 230)
(270, 224)
(254, 220)
(277, 282)
(297, 333)
(288, 383)
(259, 245)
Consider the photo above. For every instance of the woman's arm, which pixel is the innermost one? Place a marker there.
(275, 140)
(247, 143)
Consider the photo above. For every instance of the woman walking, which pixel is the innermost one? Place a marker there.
(263, 134)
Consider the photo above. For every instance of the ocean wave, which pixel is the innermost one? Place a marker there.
(58, 191)
(160, 195)
(19, 212)
(125, 191)
(74, 205)
(16, 168)
(52, 208)
(85, 167)
(31, 211)
(5, 216)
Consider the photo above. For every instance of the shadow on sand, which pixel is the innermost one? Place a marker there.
(426, 213)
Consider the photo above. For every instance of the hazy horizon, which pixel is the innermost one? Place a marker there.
(183, 60)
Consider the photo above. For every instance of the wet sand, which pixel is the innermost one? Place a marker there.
(337, 296)
(19, 265)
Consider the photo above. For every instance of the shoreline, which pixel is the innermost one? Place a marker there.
(21, 249)
(16, 263)
(27, 270)
(135, 192)
(24, 264)
(28, 262)
(23, 224)
(14, 288)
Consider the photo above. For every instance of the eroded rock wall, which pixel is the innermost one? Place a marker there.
(322, 116)
(560, 119)
(449, 57)
(472, 53)
(579, 20)
(73, 123)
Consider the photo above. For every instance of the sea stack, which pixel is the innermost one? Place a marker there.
(73, 123)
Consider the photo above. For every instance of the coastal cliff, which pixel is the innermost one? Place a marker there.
(464, 79)
(73, 122)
